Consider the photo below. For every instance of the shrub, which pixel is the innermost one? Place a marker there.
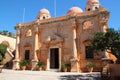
(2, 63)
(40, 64)
(23, 63)
(65, 65)
(90, 64)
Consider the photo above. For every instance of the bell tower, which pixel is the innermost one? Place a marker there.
(92, 5)
(43, 14)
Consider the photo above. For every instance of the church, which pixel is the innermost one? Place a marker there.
(54, 40)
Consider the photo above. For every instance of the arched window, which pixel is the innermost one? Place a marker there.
(88, 9)
(43, 17)
(96, 8)
(29, 32)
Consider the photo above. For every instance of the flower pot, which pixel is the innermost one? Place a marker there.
(65, 69)
(40, 65)
(90, 69)
(23, 67)
(40, 68)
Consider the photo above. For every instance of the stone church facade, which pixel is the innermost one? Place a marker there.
(62, 39)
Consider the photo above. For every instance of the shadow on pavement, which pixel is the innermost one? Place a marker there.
(81, 77)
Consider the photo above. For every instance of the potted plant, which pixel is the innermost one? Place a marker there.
(65, 66)
(40, 65)
(23, 64)
(90, 66)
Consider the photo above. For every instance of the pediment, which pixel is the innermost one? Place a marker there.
(54, 38)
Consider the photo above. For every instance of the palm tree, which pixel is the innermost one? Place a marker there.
(107, 41)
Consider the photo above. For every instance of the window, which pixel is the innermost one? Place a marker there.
(27, 54)
(96, 8)
(89, 53)
(43, 17)
(88, 9)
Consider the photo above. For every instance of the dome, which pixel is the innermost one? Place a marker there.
(74, 10)
(44, 11)
(92, 1)
(43, 14)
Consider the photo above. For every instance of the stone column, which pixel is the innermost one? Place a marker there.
(16, 60)
(74, 61)
(35, 58)
(74, 44)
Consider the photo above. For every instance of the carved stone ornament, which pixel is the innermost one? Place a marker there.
(87, 25)
(54, 38)
(29, 32)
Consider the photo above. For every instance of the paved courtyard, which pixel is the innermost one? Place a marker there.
(47, 75)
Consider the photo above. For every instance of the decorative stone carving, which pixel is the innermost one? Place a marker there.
(87, 25)
(48, 39)
(29, 32)
(54, 38)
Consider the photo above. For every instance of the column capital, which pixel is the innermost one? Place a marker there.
(35, 32)
(74, 27)
(18, 26)
(18, 32)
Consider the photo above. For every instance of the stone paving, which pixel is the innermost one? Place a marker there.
(47, 75)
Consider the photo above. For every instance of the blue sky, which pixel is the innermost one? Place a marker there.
(11, 11)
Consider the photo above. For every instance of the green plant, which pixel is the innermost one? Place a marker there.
(107, 41)
(23, 63)
(40, 64)
(3, 50)
(2, 63)
(65, 65)
(90, 64)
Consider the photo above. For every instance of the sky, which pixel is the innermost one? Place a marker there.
(12, 11)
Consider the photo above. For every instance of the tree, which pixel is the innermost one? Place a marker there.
(7, 33)
(10, 34)
(3, 50)
(107, 41)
